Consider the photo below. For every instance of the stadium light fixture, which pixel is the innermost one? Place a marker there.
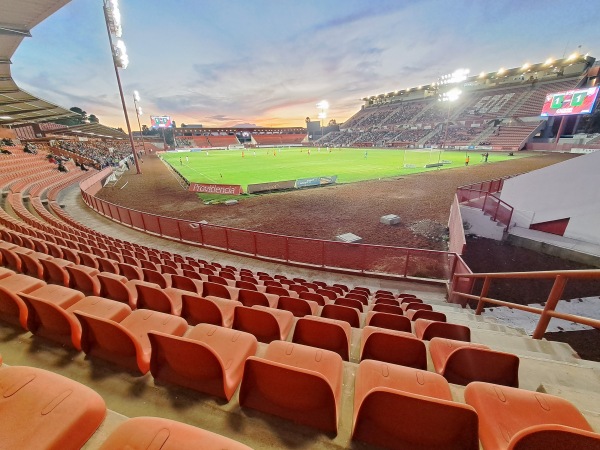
(526, 66)
(138, 113)
(112, 18)
(450, 97)
(573, 56)
(501, 70)
(455, 77)
(323, 105)
(482, 75)
(549, 61)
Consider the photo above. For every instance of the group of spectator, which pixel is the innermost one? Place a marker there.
(103, 153)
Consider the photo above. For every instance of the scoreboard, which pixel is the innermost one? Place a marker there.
(577, 101)
(160, 121)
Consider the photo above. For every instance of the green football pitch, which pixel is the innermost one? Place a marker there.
(263, 165)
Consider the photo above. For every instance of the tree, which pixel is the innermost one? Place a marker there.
(93, 119)
(332, 122)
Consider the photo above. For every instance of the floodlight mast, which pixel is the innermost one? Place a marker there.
(323, 105)
(138, 113)
(112, 18)
(450, 96)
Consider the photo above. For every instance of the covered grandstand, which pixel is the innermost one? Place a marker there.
(497, 111)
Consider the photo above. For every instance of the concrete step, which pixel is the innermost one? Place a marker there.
(523, 345)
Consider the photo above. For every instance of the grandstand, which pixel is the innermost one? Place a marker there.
(122, 329)
(499, 110)
(200, 137)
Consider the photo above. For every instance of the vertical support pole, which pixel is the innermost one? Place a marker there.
(484, 290)
(553, 298)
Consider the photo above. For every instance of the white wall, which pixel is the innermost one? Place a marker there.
(568, 189)
(480, 224)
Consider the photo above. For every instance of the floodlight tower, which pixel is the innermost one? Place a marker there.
(138, 113)
(323, 105)
(450, 96)
(112, 17)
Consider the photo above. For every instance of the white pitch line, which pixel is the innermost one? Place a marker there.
(197, 171)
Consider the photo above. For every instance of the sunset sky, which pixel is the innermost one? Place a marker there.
(269, 62)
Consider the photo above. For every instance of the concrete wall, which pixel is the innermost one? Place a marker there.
(569, 189)
(480, 224)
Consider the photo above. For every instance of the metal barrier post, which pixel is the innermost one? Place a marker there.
(553, 298)
(484, 290)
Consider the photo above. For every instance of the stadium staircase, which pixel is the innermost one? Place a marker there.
(291, 395)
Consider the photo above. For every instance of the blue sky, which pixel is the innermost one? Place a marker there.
(269, 62)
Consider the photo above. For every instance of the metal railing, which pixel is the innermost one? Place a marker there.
(364, 259)
(497, 209)
(462, 285)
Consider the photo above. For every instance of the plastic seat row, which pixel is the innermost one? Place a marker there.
(387, 395)
(40, 409)
(52, 311)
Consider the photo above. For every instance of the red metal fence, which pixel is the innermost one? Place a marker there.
(480, 196)
(350, 258)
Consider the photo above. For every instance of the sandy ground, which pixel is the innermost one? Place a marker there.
(422, 201)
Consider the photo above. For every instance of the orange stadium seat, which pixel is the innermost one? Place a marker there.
(185, 283)
(84, 279)
(146, 432)
(383, 393)
(30, 264)
(512, 418)
(295, 382)
(208, 359)
(250, 298)
(462, 362)
(389, 321)
(152, 296)
(389, 309)
(356, 304)
(328, 334)
(154, 276)
(344, 313)
(267, 324)
(126, 343)
(213, 310)
(53, 316)
(428, 329)
(414, 314)
(215, 290)
(361, 297)
(394, 347)
(313, 297)
(297, 306)
(12, 308)
(40, 409)
(55, 272)
(114, 287)
(407, 306)
(130, 271)
(386, 301)
(250, 286)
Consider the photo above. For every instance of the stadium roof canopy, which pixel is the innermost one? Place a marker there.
(17, 18)
(90, 130)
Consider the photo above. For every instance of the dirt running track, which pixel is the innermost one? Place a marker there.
(422, 201)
